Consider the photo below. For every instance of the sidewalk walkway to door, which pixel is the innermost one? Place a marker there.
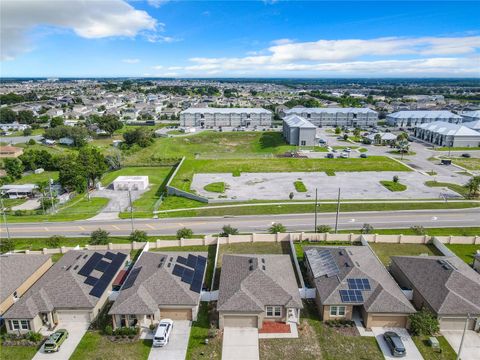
(240, 343)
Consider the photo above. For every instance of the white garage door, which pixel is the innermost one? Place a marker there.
(240, 321)
(70, 316)
(455, 324)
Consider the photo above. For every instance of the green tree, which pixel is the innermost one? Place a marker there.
(25, 117)
(6, 245)
(338, 131)
(99, 237)
(7, 115)
(473, 186)
(14, 167)
(323, 229)
(57, 121)
(109, 123)
(93, 163)
(71, 175)
(395, 179)
(366, 229)
(378, 139)
(184, 233)
(55, 241)
(140, 136)
(277, 228)
(138, 236)
(228, 230)
(356, 132)
(418, 230)
(27, 132)
(424, 323)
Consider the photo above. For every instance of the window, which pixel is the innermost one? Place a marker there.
(14, 325)
(19, 324)
(303, 143)
(337, 310)
(25, 324)
(274, 311)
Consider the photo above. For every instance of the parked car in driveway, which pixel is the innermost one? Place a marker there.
(162, 334)
(55, 341)
(363, 156)
(395, 344)
(466, 155)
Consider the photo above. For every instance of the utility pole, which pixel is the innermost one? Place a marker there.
(316, 204)
(338, 211)
(4, 217)
(51, 195)
(463, 337)
(131, 207)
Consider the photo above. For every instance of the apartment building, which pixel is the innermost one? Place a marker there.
(229, 117)
(350, 117)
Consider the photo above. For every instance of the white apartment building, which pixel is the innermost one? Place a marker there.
(230, 117)
(417, 117)
(336, 116)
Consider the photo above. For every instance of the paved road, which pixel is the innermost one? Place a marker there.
(254, 223)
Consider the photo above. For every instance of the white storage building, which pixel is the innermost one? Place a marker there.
(417, 117)
(133, 183)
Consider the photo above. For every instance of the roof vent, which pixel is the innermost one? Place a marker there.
(79, 256)
(263, 267)
(68, 267)
(347, 264)
(356, 263)
(85, 256)
(250, 268)
(75, 267)
(250, 261)
(263, 260)
(340, 252)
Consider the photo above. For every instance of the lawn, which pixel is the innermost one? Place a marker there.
(454, 187)
(465, 252)
(310, 207)
(393, 186)
(197, 349)
(300, 186)
(184, 176)
(97, 347)
(470, 163)
(40, 243)
(217, 187)
(384, 250)
(429, 354)
(157, 177)
(36, 178)
(459, 231)
(465, 148)
(17, 352)
(78, 208)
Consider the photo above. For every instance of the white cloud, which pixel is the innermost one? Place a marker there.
(158, 38)
(99, 19)
(131, 61)
(157, 67)
(157, 3)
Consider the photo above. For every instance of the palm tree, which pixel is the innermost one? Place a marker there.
(473, 186)
(42, 187)
(378, 139)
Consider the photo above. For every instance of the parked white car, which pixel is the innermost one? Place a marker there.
(162, 334)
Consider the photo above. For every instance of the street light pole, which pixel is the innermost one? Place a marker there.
(4, 217)
(316, 204)
(338, 211)
(463, 337)
(131, 208)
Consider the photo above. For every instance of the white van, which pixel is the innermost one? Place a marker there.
(162, 334)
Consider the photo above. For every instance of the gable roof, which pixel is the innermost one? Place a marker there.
(15, 269)
(475, 125)
(155, 285)
(250, 282)
(424, 114)
(299, 110)
(212, 110)
(449, 289)
(444, 128)
(62, 286)
(298, 121)
(358, 262)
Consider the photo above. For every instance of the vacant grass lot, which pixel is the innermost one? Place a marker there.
(184, 176)
(36, 178)
(17, 352)
(310, 208)
(429, 354)
(157, 177)
(470, 163)
(393, 186)
(454, 187)
(465, 252)
(98, 347)
(385, 251)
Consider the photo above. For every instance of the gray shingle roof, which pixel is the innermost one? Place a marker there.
(448, 291)
(445, 128)
(424, 114)
(155, 286)
(246, 286)
(298, 121)
(226, 111)
(15, 269)
(360, 262)
(330, 110)
(60, 287)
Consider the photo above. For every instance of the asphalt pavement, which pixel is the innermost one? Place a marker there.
(253, 223)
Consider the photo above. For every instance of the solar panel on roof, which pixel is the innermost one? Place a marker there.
(358, 284)
(201, 260)
(131, 278)
(178, 270)
(322, 262)
(90, 264)
(102, 265)
(351, 296)
(196, 286)
(90, 280)
(99, 288)
(191, 261)
(109, 255)
(108, 275)
(181, 260)
(187, 276)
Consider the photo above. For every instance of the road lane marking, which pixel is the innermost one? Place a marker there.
(149, 226)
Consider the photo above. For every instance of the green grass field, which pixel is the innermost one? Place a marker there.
(429, 354)
(454, 231)
(217, 187)
(385, 251)
(470, 163)
(300, 186)
(465, 252)
(197, 349)
(393, 186)
(190, 167)
(454, 187)
(35, 178)
(17, 352)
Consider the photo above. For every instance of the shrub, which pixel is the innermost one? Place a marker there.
(366, 229)
(184, 233)
(108, 330)
(418, 230)
(138, 236)
(291, 195)
(395, 179)
(338, 130)
(33, 336)
(55, 241)
(228, 230)
(99, 237)
(323, 228)
(277, 228)
(31, 142)
(424, 323)
(6, 245)
(345, 137)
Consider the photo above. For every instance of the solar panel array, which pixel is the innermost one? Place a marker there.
(359, 284)
(351, 296)
(98, 262)
(322, 263)
(191, 270)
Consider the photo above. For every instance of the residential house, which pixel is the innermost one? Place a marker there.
(445, 285)
(160, 285)
(18, 272)
(9, 151)
(74, 289)
(256, 288)
(351, 282)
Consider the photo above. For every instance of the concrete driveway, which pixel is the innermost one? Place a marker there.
(76, 330)
(176, 349)
(240, 343)
(471, 344)
(412, 351)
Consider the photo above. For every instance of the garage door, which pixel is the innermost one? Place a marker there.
(67, 316)
(240, 321)
(390, 321)
(176, 314)
(455, 324)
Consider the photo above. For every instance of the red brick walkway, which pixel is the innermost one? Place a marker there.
(270, 327)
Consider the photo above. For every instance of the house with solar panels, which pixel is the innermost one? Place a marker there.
(160, 285)
(74, 289)
(257, 288)
(352, 283)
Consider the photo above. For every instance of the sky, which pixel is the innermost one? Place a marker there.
(311, 39)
